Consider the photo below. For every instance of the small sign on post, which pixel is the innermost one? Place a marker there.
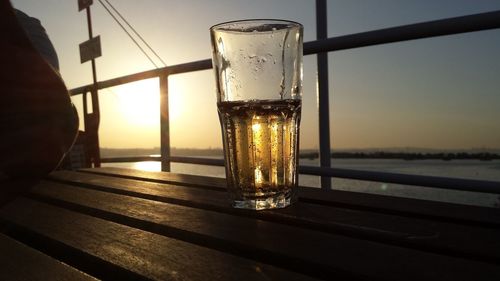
(84, 4)
(90, 49)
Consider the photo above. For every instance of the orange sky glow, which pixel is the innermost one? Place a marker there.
(432, 93)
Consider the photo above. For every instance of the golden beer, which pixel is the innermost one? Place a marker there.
(261, 146)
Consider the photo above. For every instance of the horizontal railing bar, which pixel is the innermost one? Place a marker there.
(190, 66)
(130, 159)
(179, 159)
(154, 73)
(429, 29)
(198, 160)
(450, 26)
(169, 70)
(405, 179)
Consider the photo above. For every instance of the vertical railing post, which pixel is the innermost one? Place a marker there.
(164, 123)
(88, 147)
(323, 103)
(93, 120)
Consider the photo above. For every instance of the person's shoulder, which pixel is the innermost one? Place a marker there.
(38, 36)
(25, 19)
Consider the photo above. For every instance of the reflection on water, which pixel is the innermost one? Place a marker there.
(483, 170)
(155, 166)
(151, 166)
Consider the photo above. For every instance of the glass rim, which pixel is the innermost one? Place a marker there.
(238, 24)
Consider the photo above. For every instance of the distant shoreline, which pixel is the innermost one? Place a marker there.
(308, 154)
(408, 156)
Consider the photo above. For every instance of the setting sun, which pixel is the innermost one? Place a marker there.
(139, 102)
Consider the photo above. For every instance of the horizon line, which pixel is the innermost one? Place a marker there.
(317, 149)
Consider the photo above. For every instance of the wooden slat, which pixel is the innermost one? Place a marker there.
(372, 202)
(11, 189)
(19, 262)
(325, 253)
(143, 254)
(469, 241)
(145, 189)
(430, 210)
(162, 177)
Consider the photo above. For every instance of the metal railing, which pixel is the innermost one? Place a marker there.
(456, 25)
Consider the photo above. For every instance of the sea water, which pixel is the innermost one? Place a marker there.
(467, 169)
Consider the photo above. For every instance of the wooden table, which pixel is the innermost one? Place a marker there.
(120, 224)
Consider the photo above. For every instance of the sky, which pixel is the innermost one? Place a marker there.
(432, 93)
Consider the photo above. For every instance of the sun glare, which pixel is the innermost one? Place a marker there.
(140, 102)
(151, 166)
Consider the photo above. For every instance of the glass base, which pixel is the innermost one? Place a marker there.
(276, 202)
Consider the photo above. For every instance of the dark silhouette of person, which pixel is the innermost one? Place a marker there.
(38, 122)
(38, 37)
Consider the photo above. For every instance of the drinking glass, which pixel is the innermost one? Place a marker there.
(258, 73)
